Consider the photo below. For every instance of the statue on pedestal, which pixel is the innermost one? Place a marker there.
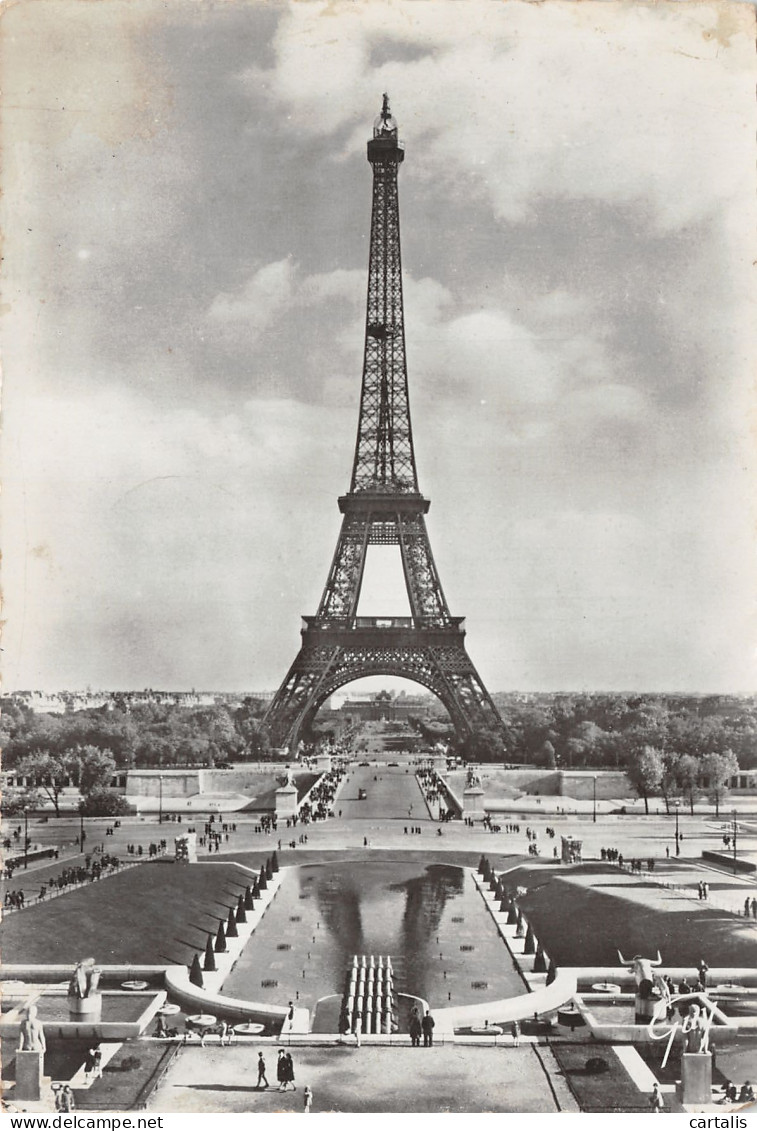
(642, 969)
(85, 980)
(472, 779)
(696, 1029)
(286, 780)
(32, 1035)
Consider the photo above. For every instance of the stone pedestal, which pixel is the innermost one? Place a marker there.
(323, 763)
(439, 762)
(85, 1008)
(28, 1075)
(473, 803)
(644, 1008)
(286, 801)
(696, 1078)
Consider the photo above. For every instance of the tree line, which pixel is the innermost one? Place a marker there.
(87, 748)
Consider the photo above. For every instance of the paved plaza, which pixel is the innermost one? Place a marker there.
(448, 1079)
(154, 913)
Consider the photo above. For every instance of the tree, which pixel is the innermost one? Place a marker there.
(645, 772)
(104, 803)
(50, 772)
(546, 756)
(669, 784)
(718, 769)
(14, 804)
(688, 773)
(483, 746)
(96, 768)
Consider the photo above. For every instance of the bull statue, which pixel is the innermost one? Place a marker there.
(643, 972)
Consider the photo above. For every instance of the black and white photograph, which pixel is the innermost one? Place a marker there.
(379, 526)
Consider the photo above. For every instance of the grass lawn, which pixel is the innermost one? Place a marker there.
(159, 913)
(609, 1091)
(583, 927)
(129, 1078)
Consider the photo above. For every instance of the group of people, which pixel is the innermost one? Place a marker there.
(703, 890)
(285, 1077)
(284, 1071)
(750, 905)
(320, 803)
(93, 868)
(302, 839)
(421, 1026)
(153, 849)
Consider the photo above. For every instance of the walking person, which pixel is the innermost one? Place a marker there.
(262, 1078)
(281, 1070)
(289, 1071)
(307, 1100)
(656, 1102)
(515, 1033)
(89, 1065)
(427, 1024)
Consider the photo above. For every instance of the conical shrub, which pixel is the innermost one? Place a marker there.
(256, 890)
(512, 915)
(268, 869)
(504, 905)
(551, 973)
(521, 928)
(262, 878)
(249, 902)
(231, 926)
(481, 865)
(530, 947)
(240, 915)
(195, 972)
(540, 962)
(210, 959)
(220, 946)
(274, 863)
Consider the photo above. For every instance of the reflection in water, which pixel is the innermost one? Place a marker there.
(431, 919)
(347, 897)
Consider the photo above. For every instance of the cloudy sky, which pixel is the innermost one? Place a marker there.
(188, 209)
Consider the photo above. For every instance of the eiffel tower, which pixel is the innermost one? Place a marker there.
(383, 507)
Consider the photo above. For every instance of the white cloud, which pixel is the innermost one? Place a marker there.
(264, 297)
(521, 99)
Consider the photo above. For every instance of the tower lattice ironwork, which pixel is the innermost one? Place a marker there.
(383, 507)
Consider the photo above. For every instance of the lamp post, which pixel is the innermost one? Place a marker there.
(594, 811)
(678, 836)
(26, 838)
(160, 802)
(735, 830)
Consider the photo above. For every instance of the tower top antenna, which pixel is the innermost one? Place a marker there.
(385, 125)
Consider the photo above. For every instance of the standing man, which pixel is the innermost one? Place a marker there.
(262, 1078)
(308, 1100)
(427, 1025)
(415, 1028)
